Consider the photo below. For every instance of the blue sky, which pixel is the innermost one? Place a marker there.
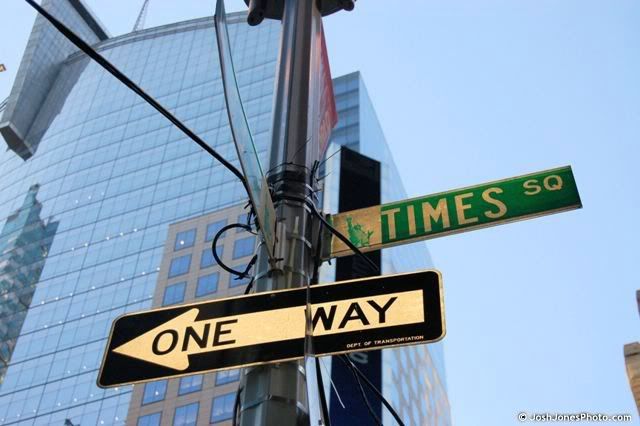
(469, 91)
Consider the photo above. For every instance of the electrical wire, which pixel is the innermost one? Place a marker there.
(361, 389)
(236, 407)
(214, 245)
(355, 371)
(334, 231)
(333, 385)
(345, 358)
(249, 286)
(104, 63)
(314, 280)
(369, 262)
(323, 397)
(89, 51)
(375, 390)
(314, 169)
(344, 239)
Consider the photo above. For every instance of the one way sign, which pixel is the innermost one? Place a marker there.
(355, 315)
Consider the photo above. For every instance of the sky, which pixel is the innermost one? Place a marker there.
(470, 91)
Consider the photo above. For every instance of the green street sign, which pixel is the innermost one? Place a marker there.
(460, 210)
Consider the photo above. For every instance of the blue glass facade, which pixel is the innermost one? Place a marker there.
(113, 174)
(413, 377)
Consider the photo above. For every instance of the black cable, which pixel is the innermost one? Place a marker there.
(214, 245)
(314, 280)
(344, 239)
(329, 157)
(354, 370)
(362, 393)
(314, 210)
(89, 51)
(323, 397)
(236, 406)
(247, 289)
(317, 257)
(375, 390)
(335, 232)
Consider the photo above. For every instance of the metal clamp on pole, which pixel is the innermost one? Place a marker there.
(274, 9)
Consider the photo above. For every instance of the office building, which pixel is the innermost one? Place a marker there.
(413, 377)
(188, 272)
(125, 188)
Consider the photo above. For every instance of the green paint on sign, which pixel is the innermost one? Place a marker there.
(357, 235)
(460, 210)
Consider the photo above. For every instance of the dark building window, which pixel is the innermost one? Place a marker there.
(207, 257)
(207, 284)
(190, 384)
(213, 228)
(244, 247)
(185, 239)
(179, 265)
(187, 415)
(154, 392)
(174, 294)
(227, 376)
(149, 420)
(222, 407)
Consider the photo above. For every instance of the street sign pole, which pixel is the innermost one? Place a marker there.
(286, 393)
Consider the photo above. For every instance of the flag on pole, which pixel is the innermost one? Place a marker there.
(328, 112)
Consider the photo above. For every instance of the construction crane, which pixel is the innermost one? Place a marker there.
(139, 25)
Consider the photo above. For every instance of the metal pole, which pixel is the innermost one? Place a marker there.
(287, 393)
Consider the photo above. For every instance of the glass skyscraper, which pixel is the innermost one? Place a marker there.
(115, 182)
(413, 377)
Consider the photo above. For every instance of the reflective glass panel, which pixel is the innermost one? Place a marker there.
(190, 384)
(207, 284)
(244, 247)
(227, 376)
(179, 265)
(154, 392)
(213, 228)
(222, 407)
(174, 294)
(187, 415)
(149, 420)
(185, 239)
(207, 258)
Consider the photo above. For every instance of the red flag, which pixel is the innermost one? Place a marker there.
(328, 112)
